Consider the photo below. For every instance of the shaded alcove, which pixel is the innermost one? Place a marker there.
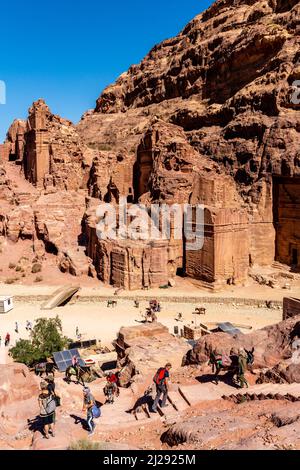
(286, 217)
(143, 168)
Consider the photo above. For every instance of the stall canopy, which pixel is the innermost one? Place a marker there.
(228, 327)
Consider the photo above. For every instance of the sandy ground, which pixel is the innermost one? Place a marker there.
(96, 321)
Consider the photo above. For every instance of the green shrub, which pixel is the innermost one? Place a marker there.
(84, 444)
(25, 352)
(18, 268)
(46, 338)
(36, 268)
(38, 279)
(11, 265)
(10, 280)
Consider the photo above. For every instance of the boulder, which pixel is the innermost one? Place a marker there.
(271, 344)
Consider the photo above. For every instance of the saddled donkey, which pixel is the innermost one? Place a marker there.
(78, 372)
(44, 368)
(229, 363)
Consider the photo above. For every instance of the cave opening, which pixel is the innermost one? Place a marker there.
(142, 169)
(286, 217)
(51, 248)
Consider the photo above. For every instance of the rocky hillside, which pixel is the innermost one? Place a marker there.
(226, 79)
(206, 117)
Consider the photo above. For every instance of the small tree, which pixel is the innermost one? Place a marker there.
(24, 352)
(46, 338)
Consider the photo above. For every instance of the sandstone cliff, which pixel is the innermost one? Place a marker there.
(206, 117)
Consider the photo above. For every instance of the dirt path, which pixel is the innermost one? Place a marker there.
(3, 355)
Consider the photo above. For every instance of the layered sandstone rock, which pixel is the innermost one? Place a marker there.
(271, 344)
(49, 149)
(226, 82)
(208, 117)
(143, 349)
(18, 402)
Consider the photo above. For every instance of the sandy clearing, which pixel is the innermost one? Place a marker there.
(96, 321)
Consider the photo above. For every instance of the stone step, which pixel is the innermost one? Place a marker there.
(167, 412)
(194, 394)
(177, 401)
(269, 388)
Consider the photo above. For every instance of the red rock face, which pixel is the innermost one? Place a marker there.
(272, 344)
(207, 117)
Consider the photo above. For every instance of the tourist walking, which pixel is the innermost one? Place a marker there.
(88, 404)
(7, 339)
(0, 340)
(242, 367)
(75, 365)
(16, 327)
(47, 406)
(51, 384)
(161, 380)
(52, 392)
(111, 389)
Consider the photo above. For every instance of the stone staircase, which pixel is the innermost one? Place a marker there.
(181, 397)
(268, 391)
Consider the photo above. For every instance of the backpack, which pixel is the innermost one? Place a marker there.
(226, 361)
(159, 376)
(50, 406)
(96, 412)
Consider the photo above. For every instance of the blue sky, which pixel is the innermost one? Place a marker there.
(67, 51)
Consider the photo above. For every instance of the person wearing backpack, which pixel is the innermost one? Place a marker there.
(47, 406)
(161, 380)
(89, 405)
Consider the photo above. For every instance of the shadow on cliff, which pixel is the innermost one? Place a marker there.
(210, 378)
(35, 425)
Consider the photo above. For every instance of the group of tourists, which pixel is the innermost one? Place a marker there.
(28, 326)
(48, 399)
(7, 338)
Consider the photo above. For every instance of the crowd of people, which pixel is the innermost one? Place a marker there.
(48, 400)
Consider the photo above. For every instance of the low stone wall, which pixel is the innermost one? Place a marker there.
(235, 302)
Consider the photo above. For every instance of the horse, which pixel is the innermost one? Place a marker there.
(232, 366)
(78, 372)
